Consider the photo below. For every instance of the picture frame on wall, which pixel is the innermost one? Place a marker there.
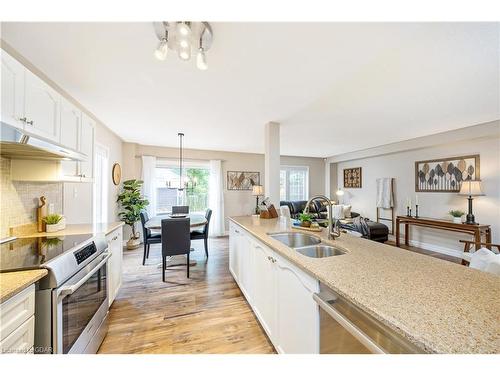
(445, 175)
(240, 180)
(353, 178)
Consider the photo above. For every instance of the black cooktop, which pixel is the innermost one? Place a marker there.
(33, 252)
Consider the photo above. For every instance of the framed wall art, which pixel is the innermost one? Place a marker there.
(445, 175)
(237, 180)
(352, 178)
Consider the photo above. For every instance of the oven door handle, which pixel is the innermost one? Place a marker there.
(347, 324)
(70, 289)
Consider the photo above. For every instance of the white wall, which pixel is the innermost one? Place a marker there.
(400, 165)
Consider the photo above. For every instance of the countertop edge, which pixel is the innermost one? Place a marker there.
(29, 277)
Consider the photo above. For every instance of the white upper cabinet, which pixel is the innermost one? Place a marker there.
(12, 110)
(87, 146)
(71, 121)
(41, 108)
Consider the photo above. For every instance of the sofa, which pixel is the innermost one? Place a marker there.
(376, 231)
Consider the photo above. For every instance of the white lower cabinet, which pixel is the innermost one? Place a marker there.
(115, 262)
(280, 293)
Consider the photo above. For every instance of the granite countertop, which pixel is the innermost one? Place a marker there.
(106, 228)
(12, 283)
(440, 306)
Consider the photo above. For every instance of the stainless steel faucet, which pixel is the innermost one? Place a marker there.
(333, 229)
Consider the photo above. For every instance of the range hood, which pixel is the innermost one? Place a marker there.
(18, 144)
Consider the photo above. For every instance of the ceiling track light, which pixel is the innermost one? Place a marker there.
(184, 38)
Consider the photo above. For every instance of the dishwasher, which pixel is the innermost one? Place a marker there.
(346, 329)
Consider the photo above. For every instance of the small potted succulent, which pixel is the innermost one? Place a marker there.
(457, 216)
(54, 222)
(305, 220)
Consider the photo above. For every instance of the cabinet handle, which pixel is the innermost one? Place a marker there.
(22, 119)
(29, 122)
(115, 238)
(237, 231)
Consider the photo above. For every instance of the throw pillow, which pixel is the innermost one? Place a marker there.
(347, 211)
(338, 211)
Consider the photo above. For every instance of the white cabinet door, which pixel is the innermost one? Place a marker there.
(298, 315)
(41, 108)
(12, 101)
(246, 274)
(115, 263)
(264, 291)
(87, 146)
(234, 234)
(71, 121)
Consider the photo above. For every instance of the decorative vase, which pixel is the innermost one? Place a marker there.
(56, 227)
(457, 220)
(133, 243)
(305, 224)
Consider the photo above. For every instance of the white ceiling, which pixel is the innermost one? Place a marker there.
(334, 87)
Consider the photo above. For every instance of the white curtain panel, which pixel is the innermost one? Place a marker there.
(149, 176)
(216, 198)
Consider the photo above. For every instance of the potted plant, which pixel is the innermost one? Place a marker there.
(54, 222)
(132, 202)
(457, 216)
(305, 220)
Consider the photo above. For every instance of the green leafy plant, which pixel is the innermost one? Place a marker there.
(52, 219)
(132, 202)
(307, 218)
(457, 213)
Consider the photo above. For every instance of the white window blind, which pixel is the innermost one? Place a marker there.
(294, 183)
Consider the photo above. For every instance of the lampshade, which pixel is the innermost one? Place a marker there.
(257, 190)
(339, 192)
(471, 188)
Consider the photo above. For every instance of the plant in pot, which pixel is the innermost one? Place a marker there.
(132, 202)
(305, 220)
(457, 216)
(54, 222)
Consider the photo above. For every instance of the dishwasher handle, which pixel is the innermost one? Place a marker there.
(325, 304)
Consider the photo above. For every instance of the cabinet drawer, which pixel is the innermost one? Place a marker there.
(16, 310)
(21, 340)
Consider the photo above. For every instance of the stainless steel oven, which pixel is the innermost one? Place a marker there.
(80, 309)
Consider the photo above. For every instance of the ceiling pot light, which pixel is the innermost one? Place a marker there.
(201, 60)
(161, 50)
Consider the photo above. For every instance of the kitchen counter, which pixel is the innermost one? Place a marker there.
(12, 283)
(440, 306)
(70, 229)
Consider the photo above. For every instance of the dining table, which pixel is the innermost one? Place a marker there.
(196, 221)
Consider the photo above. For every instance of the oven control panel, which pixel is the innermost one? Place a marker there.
(85, 253)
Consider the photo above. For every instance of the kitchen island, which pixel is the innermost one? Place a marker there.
(439, 306)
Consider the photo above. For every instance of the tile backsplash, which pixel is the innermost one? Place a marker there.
(19, 200)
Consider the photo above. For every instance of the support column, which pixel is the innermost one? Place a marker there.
(327, 180)
(272, 163)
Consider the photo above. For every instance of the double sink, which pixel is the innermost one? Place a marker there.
(306, 244)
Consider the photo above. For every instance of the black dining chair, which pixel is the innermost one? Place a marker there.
(203, 233)
(180, 209)
(149, 237)
(175, 240)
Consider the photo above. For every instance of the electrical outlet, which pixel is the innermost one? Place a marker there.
(75, 193)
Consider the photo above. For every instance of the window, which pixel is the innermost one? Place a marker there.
(294, 183)
(196, 175)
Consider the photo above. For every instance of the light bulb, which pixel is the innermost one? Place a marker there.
(201, 60)
(183, 29)
(161, 50)
(185, 53)
(184, 43)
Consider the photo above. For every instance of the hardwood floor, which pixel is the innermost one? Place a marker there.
(204, 314)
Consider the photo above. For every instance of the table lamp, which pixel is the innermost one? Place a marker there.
(257, 190)
(339, 193)
(471, 188)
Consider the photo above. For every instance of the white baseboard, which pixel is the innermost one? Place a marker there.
(430, 247)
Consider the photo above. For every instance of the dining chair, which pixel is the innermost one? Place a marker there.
(203, 233)
(180, 209)
(149, 237)
(175, 240)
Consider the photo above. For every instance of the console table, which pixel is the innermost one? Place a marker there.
(476, 230)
